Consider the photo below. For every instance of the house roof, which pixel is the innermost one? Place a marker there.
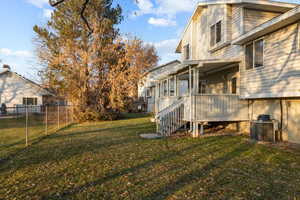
(274, 24)
(163, 65)
(267, 5)
(3, 71)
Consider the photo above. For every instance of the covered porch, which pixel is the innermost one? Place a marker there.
(208, 89)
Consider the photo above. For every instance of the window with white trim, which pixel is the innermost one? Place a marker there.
(172, 87)
(255, 54)
(29, 101)
(202, 86)
(216, 33)
(165, 88)
(186, 50)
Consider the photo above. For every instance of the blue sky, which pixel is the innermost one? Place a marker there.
(159, 22)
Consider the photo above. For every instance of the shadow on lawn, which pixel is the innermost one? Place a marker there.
(101, 130)
(172, 187)
(33, 142)
(57, 152)
(168, 155)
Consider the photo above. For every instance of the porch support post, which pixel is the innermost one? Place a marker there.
(195, 89)
(156, 97)
(191, 100)
(175, 85)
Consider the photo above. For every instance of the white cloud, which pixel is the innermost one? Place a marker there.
(161, 22)
(165, 7)
(145, 7)
(38, 3)
(9, 52)
(172, 7)
(166, 50)
(47, 13)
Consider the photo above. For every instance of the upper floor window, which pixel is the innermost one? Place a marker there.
(255, 54)
(186, 52)
(216, 33)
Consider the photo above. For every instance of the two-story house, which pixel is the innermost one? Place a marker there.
(239, 59)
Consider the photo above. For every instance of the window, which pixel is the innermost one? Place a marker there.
(29, 101)
(234, 85)
(216, 33)
(259, 53)
(165, 88)
(255, 54)
(172, 87)
(202, 86)
(187, 52)
(148, 93)
(249, 56)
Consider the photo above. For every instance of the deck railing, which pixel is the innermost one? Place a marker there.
(170, 119)
(219, 107)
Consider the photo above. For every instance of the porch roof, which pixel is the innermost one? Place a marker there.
(203, 65)
(172, 71)
(216, 65)
(274, 24)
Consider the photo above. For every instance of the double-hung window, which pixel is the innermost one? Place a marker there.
(255, 54)
(215, 33)
(165, 88)
(172, 87)
(29, 101)
(186, 52)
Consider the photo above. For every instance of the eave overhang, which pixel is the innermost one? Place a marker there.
(275, 24)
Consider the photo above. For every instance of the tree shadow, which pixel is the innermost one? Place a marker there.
(172, 187)
(168, 155)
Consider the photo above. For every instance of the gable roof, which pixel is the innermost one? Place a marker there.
(255, 4)
(270, 26)
(163, 65)
(3, 71)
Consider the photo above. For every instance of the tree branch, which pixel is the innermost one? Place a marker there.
(54, 3)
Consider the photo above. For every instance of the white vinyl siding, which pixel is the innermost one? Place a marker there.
(280, 76)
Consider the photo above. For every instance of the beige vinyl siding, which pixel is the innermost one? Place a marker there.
(280, 76)
(237, 22)
(253, 18)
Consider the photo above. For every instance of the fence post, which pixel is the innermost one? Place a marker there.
(58, 116)
(66, 113)
(46, 120)
(26, 134)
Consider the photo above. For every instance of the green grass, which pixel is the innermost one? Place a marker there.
(13, 133)
(108, 160)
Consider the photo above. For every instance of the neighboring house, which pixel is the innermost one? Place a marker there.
(240, 59)
(17, 91)
(147, 86)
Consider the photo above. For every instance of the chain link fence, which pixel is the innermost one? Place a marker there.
(23, 125)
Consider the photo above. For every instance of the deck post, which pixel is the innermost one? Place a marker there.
(195, 130)
(201, 129)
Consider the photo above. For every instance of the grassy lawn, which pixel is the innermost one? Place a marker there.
(13, 131)
(107, 160)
